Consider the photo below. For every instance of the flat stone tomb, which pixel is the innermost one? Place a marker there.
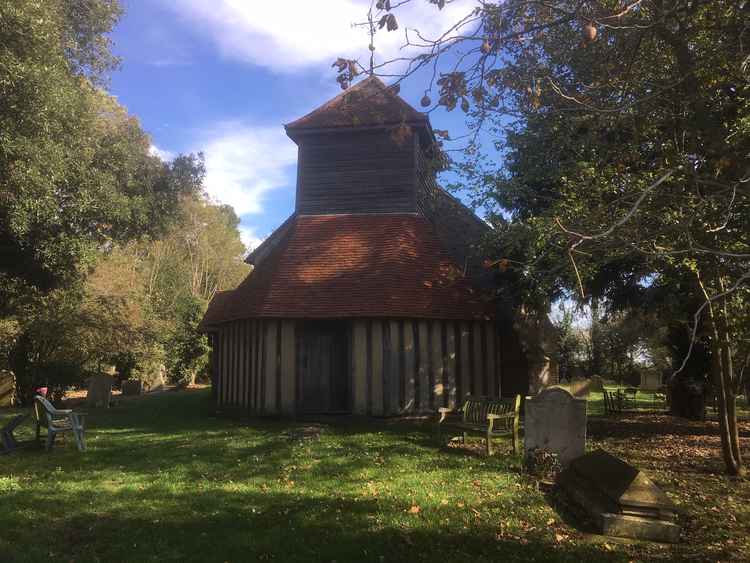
(622, 500)
(555, 420)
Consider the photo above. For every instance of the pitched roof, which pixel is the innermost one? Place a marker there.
(339, 266)
(369, 103)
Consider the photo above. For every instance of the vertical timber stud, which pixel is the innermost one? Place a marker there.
(257, 366)
(261, 363)
(252, 366)
(359, 353)
(269, 367)
(225, 366)
(477, 363)
(386, 367)
(219, 376)
(377, 368)
(450, 363)
(277, 374)
(252, 328)
(424, 367)
(410, 368)
(499, 357)
(395, 375)
(227, 363)
(237, 344)
(244, 378)
(489, 331)
(252, 375)
(483, 359)
(288, 376)
(438, 367)
(465, 359)
(217, 367)
(236, 326)
(232, 361)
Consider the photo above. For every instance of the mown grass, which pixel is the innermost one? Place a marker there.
(165, 480)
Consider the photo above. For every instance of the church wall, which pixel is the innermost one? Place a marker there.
(396, 367)
(357, 172)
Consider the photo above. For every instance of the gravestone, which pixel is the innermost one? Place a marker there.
(132, 387)
(99, 390)
(556, 421)
(650, 380)
(621, 499)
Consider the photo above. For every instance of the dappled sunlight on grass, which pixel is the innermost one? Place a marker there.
(166, 480)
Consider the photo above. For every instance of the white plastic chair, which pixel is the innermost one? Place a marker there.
(58, 421)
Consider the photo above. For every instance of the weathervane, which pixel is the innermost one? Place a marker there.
(371, 46)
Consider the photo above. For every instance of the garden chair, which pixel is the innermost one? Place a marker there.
(58, 421)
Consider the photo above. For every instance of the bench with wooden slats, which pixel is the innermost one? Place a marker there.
(484, 415)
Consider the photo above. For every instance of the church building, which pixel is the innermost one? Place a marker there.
(371, 297)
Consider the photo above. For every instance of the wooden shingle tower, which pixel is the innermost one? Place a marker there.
(368, 299)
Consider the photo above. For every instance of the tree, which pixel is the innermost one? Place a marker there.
(75, 171)
(624, 128)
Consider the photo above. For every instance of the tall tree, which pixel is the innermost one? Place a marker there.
(625, 129)
(75, 173)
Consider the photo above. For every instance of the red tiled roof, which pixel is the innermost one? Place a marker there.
(337, 266)
(368, 103)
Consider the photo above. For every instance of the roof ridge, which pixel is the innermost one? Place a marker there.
(333, 105)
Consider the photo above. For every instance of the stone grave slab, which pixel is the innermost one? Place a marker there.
(555, 420)
(99, 390)
(620, 498)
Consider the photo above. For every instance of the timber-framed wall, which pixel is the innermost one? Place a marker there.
(395, 367)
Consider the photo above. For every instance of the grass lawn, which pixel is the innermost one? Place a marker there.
(163, 480)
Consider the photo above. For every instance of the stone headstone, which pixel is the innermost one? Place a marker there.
(132, 387)
(556, 421)
(99, 390)
(621, 499)
(650, 380)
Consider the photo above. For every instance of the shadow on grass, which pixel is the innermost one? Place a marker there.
(648, 425)
(158, 524)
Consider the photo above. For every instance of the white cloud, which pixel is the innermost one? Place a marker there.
(293, 34)
(244, 163)
(249, 238)
(165, 155)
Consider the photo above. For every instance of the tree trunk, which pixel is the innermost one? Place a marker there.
(596, 358)
(721, 372)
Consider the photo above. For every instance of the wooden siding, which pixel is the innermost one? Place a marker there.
(363, 172)
(395, 367)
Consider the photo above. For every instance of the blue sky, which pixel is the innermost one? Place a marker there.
(223, 76)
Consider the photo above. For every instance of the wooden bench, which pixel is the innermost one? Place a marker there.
(620, 401)
(484, 415)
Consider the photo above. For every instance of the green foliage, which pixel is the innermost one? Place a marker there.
(108, 255)
(188, 347)
(624, 136)
(75, 172)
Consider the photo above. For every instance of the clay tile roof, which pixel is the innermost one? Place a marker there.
(369, 103)
(339, 266)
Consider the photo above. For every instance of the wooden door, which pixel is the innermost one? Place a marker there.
(323, 367)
